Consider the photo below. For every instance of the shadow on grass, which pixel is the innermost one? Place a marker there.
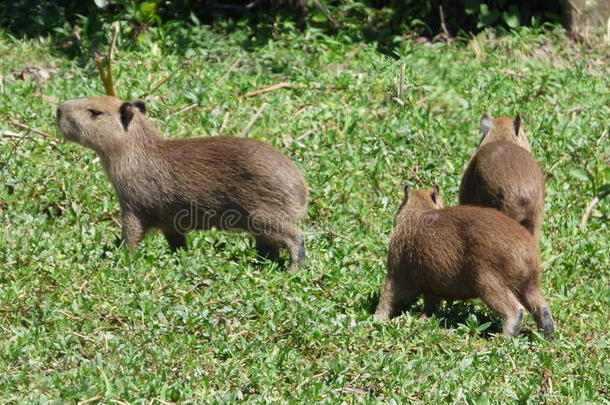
(450, 316)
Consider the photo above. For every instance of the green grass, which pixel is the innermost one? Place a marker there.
(81, 318)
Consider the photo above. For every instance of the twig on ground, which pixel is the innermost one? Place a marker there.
(185, 109)
(69, 315)
(165, 79)
(591, 206)
(359, 391)
(326, 13)
(304, 135)
(351, 56)
(162, 402)
(602, 137)
(34, 130)
(443, 25)
(11, 134)
(548, 262)
(225, 122)
(117, 401)
(362, 259)
(333, 234)
(90, 400)
(89, 338)
(10, 154)
(248, 127)
(231, 69)
(554, 166)
(267, 89)
(21, 137)
(306, 380)
(214, 302)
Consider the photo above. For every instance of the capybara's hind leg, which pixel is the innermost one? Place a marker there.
(396, 291)
(267, 248)
(503, 302)
(295, 244)
(431, 304)
(290, 239)
(176, 240)
(532, 299)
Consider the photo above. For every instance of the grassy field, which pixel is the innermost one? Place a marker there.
(81, 318)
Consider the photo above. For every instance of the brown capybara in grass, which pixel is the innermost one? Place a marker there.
(193, 183)
(504, 175)
(461, 253)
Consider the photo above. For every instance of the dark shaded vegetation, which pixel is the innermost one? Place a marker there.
(80, 24)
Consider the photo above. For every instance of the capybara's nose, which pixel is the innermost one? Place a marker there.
(59, 111)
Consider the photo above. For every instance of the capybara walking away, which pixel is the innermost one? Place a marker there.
(463, 252)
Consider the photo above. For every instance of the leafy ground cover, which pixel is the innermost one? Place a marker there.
(81, 318)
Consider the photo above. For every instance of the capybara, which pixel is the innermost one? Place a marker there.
(192, 183)
(504, 175)
(461, 253)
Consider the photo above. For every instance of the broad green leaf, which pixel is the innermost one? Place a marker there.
(148, 9)
(512, 17)
(579, 174)
(487, 16)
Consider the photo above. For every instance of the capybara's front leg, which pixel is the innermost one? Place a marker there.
(133, 229)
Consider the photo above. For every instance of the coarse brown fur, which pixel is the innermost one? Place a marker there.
(504, 175)
(194, 183)
(461, 253)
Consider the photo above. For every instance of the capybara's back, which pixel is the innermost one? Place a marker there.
(504, 175)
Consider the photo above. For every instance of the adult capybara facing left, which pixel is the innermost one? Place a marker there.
(193, 183)
(504, 175)
(462, 252)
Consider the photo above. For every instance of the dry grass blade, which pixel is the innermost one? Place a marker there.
(326, 13)
(165, 79)
(231, 69)
(268, 89)
(90, 400)
(11, 134)
(21, 137)
(185, 109)
(591, 207)
(34, 130)
(248, 127)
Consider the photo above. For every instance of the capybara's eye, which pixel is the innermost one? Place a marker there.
(94, 113)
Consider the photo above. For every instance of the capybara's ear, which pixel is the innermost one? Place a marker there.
(517, 124)
(406, 193)
(485, 123)
(140, 105)
(436, 191)
(126, 111)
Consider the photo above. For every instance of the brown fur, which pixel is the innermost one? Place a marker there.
(194, 183)
(461, 253)
(504, 175)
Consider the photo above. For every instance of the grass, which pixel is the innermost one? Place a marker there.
(81, 318)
